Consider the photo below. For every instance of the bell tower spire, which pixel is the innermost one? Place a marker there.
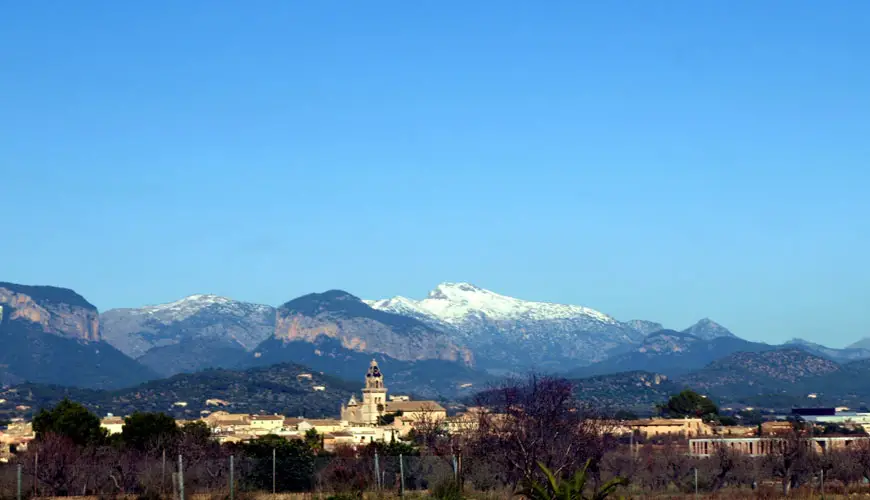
(374, 395)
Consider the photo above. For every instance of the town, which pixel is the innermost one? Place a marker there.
(380, 417)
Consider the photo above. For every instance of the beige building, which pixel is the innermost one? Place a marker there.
(321, 425)
(265, 424)
(15, 440)
(112, 424)
(374, 404)
(417, 411)
(765, 445)
(221, 422)
(686, 427)
(374, 399)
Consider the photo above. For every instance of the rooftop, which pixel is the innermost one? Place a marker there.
(413, 406)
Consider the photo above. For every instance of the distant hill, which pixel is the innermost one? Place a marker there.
(273, 389)
(635, 391)
(861, 344)
(431, 378)
(30, 354)
(670, 353)
(193, 355)
(839, 355)
(757, 373)
(707, 329)
(776, 379)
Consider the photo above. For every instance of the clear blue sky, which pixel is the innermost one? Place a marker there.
(659, 160)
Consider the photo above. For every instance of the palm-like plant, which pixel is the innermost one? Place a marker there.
(570, 489)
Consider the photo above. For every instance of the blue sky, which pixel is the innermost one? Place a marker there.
(657, 160)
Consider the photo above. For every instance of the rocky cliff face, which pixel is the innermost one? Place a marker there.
(341, 316)
(44, 306)
(52, 335)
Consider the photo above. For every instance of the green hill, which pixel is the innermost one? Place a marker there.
(272, 389)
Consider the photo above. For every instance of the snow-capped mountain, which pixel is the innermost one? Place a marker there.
(507, 333)
(454, 302)
(207, 328)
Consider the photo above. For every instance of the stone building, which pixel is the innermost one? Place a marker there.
(374, 399)
(374, 404)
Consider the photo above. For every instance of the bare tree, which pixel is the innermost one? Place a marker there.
(538, 420)
(860, 455)
(58, 468)
(790, 458)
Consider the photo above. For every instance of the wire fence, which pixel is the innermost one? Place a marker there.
(182, 477)
(236, 475)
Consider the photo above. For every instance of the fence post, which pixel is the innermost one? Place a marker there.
(401, 476)
(19, 482)
(273, 471)
(696, 482)
(377, 471)
(823, 483)
(232, 480)
(163, 473)
(455, 470)
(36, 474)
(180, 478)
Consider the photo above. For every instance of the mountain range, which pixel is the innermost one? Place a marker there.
(457, 339)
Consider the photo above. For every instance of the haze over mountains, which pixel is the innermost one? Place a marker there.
(453, 342)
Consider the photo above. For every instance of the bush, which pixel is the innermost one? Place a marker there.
(447, 490)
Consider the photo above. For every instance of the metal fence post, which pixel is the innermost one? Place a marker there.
(19, 482)
(273, 471)
(377, 471)
(455, 470)
(696, 482)
(163, 473)
(232, 480)
(401, 476)
(180, 478)
(36, 474)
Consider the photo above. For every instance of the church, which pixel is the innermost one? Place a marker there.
(374, 404)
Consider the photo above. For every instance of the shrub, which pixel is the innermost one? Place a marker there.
(447, 490)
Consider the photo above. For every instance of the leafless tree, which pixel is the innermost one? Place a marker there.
(791, 457)
(538, 420)
(58, 467)
(860, 455)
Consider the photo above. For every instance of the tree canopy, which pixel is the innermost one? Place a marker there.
(70, 420)
(143, 431)
(293, 457)
(689, 403)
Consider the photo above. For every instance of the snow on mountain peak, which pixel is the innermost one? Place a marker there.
(188, 306)
(454, 302)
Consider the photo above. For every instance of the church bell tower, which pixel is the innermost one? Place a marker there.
(374, 395)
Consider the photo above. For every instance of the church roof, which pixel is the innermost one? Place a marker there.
(413, 406)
